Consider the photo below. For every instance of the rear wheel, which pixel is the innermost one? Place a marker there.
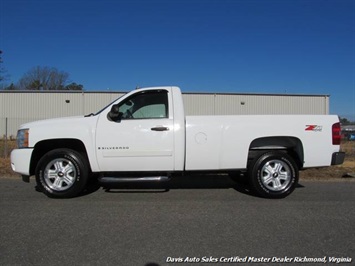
(62, 173)
(273, 175)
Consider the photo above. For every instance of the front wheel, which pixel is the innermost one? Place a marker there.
(62, 173)
(273, 175)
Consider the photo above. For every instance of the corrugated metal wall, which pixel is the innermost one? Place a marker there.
(22, 107)
(248, 104)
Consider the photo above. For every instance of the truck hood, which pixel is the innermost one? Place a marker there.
(53, 121)
(78, 127)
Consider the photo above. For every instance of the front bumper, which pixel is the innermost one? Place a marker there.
(20, 161)
(338, 158)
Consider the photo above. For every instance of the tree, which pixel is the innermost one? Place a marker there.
(73, 86)
(43, 78)
(3, 75)
(344, 121)
(1, 69)
(40, 78)
(11, 87)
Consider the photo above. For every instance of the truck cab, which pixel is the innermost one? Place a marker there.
(141, 131)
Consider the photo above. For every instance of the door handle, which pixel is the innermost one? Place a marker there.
(159, 128)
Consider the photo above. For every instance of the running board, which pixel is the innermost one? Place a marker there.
(108, 180)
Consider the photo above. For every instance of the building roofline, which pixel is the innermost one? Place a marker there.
(196, 93)
(258, 94)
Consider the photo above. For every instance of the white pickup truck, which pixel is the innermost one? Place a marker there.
(145, 136)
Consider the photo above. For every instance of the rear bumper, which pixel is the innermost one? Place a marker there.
(338, 158)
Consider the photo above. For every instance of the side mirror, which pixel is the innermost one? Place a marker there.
(114, 114)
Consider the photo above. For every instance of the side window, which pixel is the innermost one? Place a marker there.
(145, 105)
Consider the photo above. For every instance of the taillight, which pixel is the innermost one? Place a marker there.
(336, 133)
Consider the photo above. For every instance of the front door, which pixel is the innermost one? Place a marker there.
(138, 135)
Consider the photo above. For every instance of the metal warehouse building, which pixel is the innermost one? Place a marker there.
(18, 107)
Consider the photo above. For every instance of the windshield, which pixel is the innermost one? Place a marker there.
(109, 104)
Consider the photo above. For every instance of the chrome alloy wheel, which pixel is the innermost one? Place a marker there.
(276, 175)
(60, 174)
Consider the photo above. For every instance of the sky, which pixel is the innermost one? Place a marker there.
(233, 46)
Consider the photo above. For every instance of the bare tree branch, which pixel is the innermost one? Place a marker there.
(44, 78)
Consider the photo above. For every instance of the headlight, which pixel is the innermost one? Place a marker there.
(22, 138)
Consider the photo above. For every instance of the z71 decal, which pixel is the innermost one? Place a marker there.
(315, 128)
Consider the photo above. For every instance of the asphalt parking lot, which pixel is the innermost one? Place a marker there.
(204, 221)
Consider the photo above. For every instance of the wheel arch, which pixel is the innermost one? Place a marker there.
(292, 145)
(44, 146)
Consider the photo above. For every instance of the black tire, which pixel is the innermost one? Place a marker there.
(62, 173)
(273, 175)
